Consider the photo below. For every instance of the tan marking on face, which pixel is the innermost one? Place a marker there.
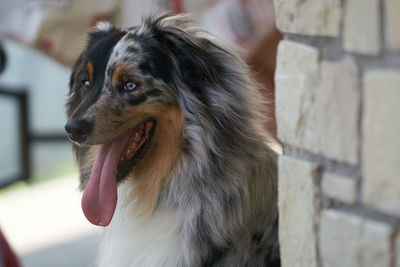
(154, 169)
(90, 71)
(117, 73)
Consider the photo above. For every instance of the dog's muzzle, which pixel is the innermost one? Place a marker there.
(78, 130)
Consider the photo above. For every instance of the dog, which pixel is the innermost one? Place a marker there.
(168, 130)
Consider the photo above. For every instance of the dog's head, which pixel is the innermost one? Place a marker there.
(131, 94)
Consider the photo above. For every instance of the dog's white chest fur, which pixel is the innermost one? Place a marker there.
(136, 239)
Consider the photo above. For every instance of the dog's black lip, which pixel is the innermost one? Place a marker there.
(127, 166)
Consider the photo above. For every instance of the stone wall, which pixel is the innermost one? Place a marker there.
(338, 115)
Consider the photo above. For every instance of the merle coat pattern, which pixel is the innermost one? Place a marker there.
(202, 188)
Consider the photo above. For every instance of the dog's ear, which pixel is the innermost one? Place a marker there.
(192, 55)
(99, 31)
(102, 26)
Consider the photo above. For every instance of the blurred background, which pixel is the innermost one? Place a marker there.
(40, 210)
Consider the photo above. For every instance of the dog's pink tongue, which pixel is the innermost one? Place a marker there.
(100, 196)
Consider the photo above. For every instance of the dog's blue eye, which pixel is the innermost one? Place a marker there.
(86, 84)
(129, 86)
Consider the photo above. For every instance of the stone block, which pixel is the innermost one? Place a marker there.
(361, 30)
(381, 145)
(375, 245)
(310, 17)
(316, 101)
(392, 22)
(296, 80)
(337, 111)
(298, 212)
(339, 187)
(338, 239)
(349, 240)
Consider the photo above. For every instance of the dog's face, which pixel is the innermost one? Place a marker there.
(123, 118)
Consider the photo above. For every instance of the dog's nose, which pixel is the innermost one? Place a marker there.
(78, 130)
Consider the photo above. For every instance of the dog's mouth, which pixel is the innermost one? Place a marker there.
(113, 163)
(138, 142)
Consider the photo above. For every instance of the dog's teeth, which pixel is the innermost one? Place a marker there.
(122, 158)
(137, 138)
(128, 152)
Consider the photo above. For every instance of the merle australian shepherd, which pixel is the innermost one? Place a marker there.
(168, 129)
